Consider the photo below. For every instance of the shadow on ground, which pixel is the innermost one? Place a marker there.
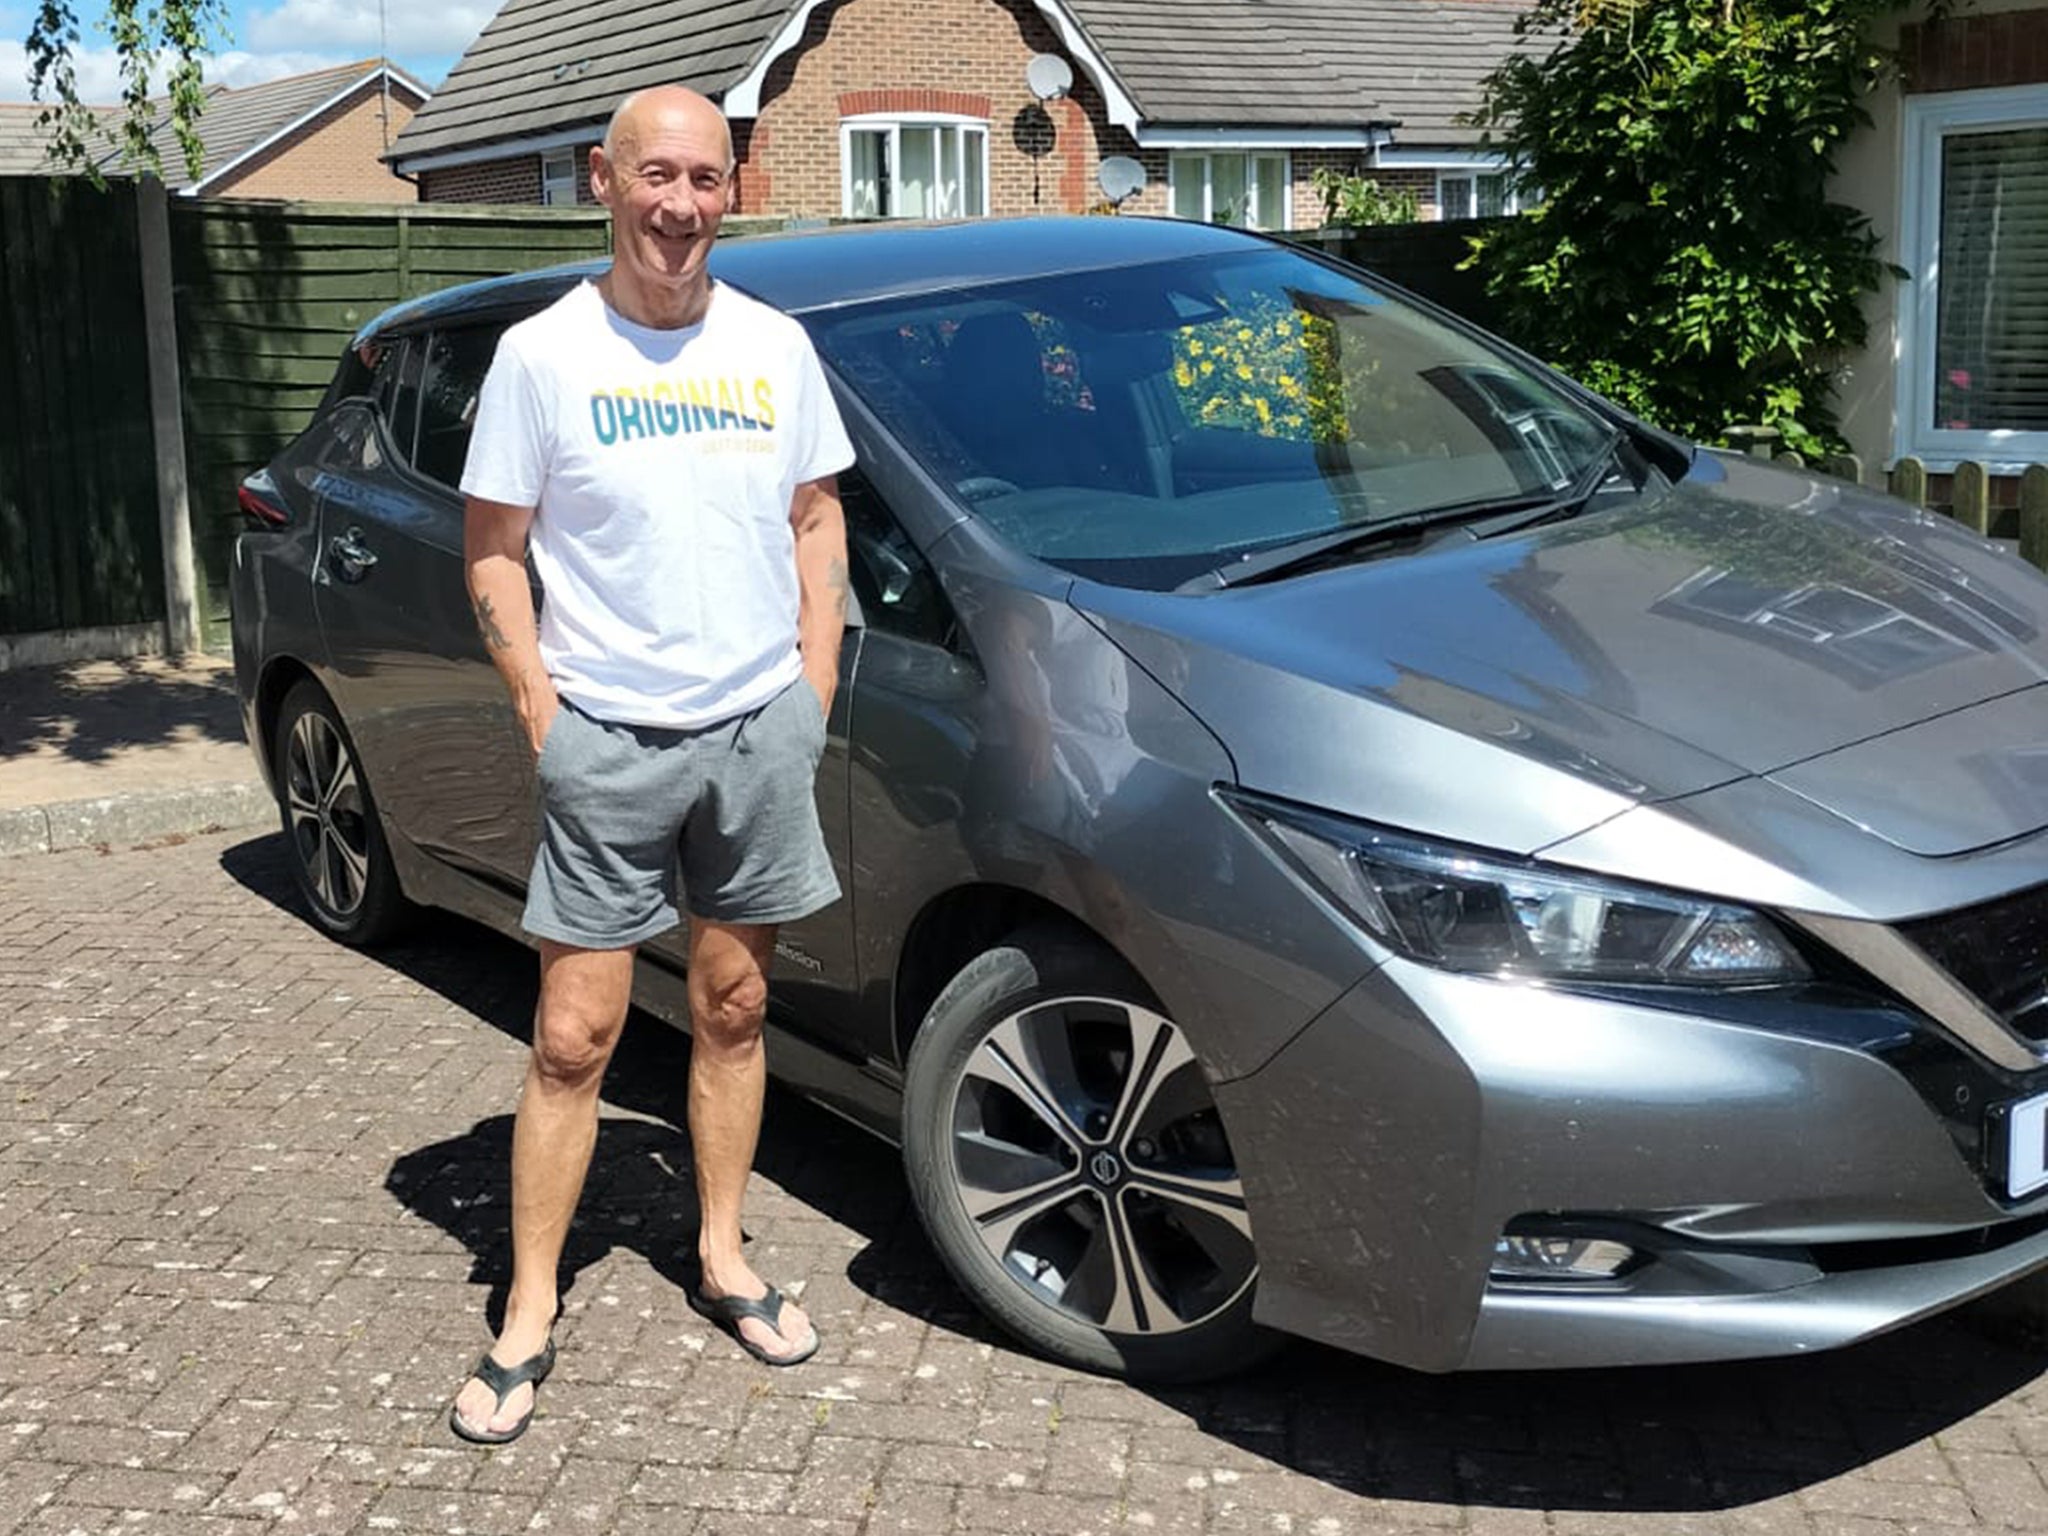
(89, 711)
(1694, 1438)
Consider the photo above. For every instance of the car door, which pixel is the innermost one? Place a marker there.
(913, 735)
(429, 714)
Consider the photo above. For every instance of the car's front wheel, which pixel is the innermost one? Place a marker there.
(1070, 1166)
(338, 854)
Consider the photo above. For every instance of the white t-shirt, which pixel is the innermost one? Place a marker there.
(662, 466)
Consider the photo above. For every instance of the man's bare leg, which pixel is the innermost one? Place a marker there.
(728, 1078)
(584, 994)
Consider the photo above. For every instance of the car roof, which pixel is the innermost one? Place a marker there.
(817, 269)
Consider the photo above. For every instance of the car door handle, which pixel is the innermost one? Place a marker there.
(352, 554)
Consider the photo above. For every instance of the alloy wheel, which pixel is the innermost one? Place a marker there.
(325, 812)
(1091, 1163)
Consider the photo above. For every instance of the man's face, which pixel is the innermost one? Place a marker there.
(668, 183)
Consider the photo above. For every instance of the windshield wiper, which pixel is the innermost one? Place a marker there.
(1478, 520)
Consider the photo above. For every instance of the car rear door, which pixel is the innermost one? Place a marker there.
(430, 717)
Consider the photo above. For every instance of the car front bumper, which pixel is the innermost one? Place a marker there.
(1785, 1188)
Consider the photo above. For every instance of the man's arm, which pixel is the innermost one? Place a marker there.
(494, 554)
(820, 525)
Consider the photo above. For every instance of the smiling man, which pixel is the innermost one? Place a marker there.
(666, 446)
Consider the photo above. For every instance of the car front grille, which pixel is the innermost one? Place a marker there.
(1999, 950)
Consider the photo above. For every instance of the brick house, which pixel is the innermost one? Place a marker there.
(1953, 172)
(908, 108)
(318, 136)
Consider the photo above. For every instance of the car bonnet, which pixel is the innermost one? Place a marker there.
(1518, 690)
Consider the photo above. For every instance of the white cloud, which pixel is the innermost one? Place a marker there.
(236, 68)
(287, 39)
(351, 26)
(98, 69)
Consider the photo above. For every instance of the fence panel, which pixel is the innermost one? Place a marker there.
(1424, 258)
(80, 546)
(268, 295)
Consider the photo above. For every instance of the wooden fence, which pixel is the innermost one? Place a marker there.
(268, 295)
(80, 548)
(1970, 498)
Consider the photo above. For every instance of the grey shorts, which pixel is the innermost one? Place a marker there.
(731, 808)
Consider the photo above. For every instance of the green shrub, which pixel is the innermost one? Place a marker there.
(1687, 260)
(1353, 202)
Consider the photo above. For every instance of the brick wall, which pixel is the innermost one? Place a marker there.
(1971, 53)
(901, 55)
(334, 158)
(516, 180)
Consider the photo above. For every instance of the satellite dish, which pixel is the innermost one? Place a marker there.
(1049, 76)
(1121, 179)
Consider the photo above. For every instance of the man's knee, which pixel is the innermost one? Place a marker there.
(584, 995)
(731, 1007)
(570, 1051)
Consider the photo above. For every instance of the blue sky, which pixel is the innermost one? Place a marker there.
(269, 38)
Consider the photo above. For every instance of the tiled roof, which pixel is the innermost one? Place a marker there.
(23, 144)
(237, 121)
(234, 122)
(545, 66)
(1305, 62)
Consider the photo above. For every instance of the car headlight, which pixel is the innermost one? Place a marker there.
(1465, 911)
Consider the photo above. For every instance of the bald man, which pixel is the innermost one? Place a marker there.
(666, 447)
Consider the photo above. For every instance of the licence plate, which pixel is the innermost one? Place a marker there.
(2025, 1126)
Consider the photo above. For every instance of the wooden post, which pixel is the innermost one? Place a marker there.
(167, 419)
(2034, 516)
(1844, 466)
(404, 256)
(1757, 442)
(1909, 481)
(1972, 497)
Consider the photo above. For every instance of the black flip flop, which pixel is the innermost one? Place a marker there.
(728, 1311)
(504, 1380)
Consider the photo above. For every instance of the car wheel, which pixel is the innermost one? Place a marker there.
(1070, 1166)
(338, 854)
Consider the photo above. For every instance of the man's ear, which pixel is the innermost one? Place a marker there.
(600, 175)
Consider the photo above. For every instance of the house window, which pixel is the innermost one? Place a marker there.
(1973, 325)
(914, 169)
(1247, 191)
(1480, 195)
(558, 178)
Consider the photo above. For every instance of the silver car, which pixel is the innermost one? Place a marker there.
(1346, 834)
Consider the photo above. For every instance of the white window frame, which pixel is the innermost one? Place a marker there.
(1926, 121)
(1511, 199)
(1255, 217)
(894, 123)
(557, 177)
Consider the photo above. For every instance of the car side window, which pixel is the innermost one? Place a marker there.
(397, 393)
(453, 375)
(898, 590)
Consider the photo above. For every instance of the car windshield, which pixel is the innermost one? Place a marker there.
(1143, 424)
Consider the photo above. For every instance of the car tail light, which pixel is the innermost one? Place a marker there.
(259, 502)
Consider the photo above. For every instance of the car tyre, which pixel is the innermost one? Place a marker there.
(339, 858)
(1069, 1164)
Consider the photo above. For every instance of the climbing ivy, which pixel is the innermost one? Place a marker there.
(1686, 259)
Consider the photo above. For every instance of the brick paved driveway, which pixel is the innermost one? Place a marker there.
(252, 1208)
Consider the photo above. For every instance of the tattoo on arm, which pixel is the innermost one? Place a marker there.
(836, 585)
(487, 622)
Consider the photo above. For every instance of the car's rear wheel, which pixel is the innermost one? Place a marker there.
(1070, 1166)
(338, 854)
